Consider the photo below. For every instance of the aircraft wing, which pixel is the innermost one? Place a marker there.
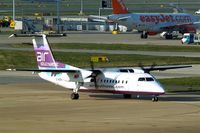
(163, 68)
(123, 18)
(98, 18)
(73, 75)
(47, 70)
(197, 24)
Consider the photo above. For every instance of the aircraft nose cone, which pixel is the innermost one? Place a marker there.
(160, 89)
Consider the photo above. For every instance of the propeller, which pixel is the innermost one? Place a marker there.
(147, 70)
(94, 75)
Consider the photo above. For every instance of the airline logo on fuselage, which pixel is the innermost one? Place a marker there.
(165, 18)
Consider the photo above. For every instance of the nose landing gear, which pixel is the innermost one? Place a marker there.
(75, 95)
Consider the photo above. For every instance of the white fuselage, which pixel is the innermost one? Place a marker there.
(111, 82)
(154, 22)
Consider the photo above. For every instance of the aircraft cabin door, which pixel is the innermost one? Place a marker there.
(140, 84)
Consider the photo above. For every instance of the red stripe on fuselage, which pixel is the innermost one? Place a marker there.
(121, 92)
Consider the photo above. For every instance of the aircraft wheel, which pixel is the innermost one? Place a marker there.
(142, 36)
(74, 96)
(127, 96)
(145, 35)
(168, 36)
(155, 99)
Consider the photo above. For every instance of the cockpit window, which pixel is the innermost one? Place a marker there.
(126, 70)
(141, 79)
(131, 70)
(123, 70)
(148, 79)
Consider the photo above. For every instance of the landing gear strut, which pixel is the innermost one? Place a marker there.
(116, 29)
(127, 96)
(155, 99)
(75, 95)
(144, 35)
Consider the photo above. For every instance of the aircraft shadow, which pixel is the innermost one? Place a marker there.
(175, 97)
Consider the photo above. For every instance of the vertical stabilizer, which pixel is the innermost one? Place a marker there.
(119, 7)
(44, 54)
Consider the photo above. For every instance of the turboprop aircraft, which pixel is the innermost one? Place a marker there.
(124, 81)
(153, 23)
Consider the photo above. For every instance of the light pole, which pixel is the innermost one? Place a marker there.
(14, 10)
(178, 3)
(81, 11)
(58, 16)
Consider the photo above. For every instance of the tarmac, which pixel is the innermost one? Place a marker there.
(44, 107)
(29, 104)
(97, 38)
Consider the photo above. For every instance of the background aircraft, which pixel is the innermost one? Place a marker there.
(122, 81)
(153, 23)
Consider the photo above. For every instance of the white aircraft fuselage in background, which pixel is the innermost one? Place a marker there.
(153, 23)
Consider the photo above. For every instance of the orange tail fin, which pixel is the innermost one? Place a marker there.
(119, 7)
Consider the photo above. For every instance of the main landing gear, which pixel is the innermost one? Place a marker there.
(155, 99)
(75, 95)
(127, 96)
(144, 35)
(116, 30)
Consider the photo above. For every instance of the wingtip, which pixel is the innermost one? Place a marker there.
(9, 69)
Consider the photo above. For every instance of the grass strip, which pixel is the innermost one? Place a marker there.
(181, 48)
(19, 59)
(187, 84)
